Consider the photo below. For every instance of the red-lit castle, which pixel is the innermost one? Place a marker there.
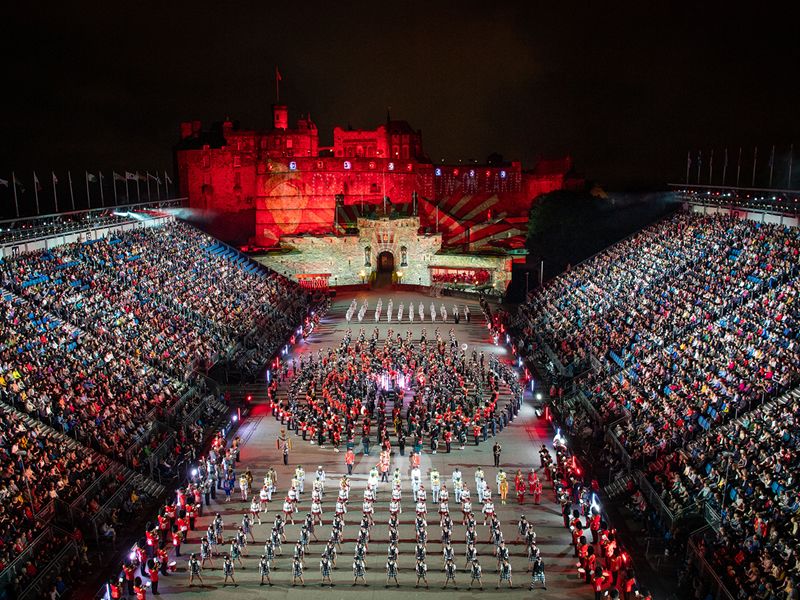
(298, 187)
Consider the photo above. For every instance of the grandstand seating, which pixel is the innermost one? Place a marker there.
(99, 339)
(684, 337)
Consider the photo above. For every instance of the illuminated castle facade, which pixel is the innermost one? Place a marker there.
(298, 187)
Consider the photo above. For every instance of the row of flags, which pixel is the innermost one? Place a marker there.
(91, 178)
(698, 161)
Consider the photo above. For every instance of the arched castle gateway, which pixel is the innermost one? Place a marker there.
(416, 258)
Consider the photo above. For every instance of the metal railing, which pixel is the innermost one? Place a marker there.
(612, 439)
(13, 231)
(38, 588)
(719, 590)
(28, 554)
(655, 501)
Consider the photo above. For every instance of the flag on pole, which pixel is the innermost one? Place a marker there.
(37, 187)
(771, 164)
(4, 182)
(688, 164)
(155, 178)
(71, 194)
(167, 177)
(117, 176)
(102, 200)
(91, 177)
(130, 176)
(14, 187)
(725, 166)
(18, 183)
(55, 190)
(140, 177)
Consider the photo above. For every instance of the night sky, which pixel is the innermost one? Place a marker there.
(625, 88)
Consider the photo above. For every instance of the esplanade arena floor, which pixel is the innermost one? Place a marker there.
(520, 442)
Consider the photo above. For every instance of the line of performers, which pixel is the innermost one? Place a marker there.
(410, 313)
(213, 543)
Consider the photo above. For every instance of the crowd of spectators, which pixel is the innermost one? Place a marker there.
(36, 467)
(648, 289)
(101, 338)
(746, 471)
(685, 336)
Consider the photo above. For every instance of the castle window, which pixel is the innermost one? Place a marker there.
(396, 151)
(237, 160)
(237, 179)
(206, 161)
(405, 150)
(289, 142)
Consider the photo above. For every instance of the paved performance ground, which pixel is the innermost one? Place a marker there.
(520, 442)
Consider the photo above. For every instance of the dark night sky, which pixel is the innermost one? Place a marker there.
(626, 88)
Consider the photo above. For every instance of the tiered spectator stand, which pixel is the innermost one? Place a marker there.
(624, 368)
(59, 520)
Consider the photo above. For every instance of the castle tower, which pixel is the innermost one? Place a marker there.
(280, 116)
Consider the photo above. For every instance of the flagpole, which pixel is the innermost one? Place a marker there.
(699, 163)
(138, 194)
(127, 197)
(14, 183)
(114, 183)
(755, 158)
(147, 175)
(36, 191)
(158, 186)
(102, 200)
(771, 164)
(166, 184)
(711, 167)
(55, 191)
(688, 164)
(724, 167)
(71, 195)
(88, 196)
(738, 166)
